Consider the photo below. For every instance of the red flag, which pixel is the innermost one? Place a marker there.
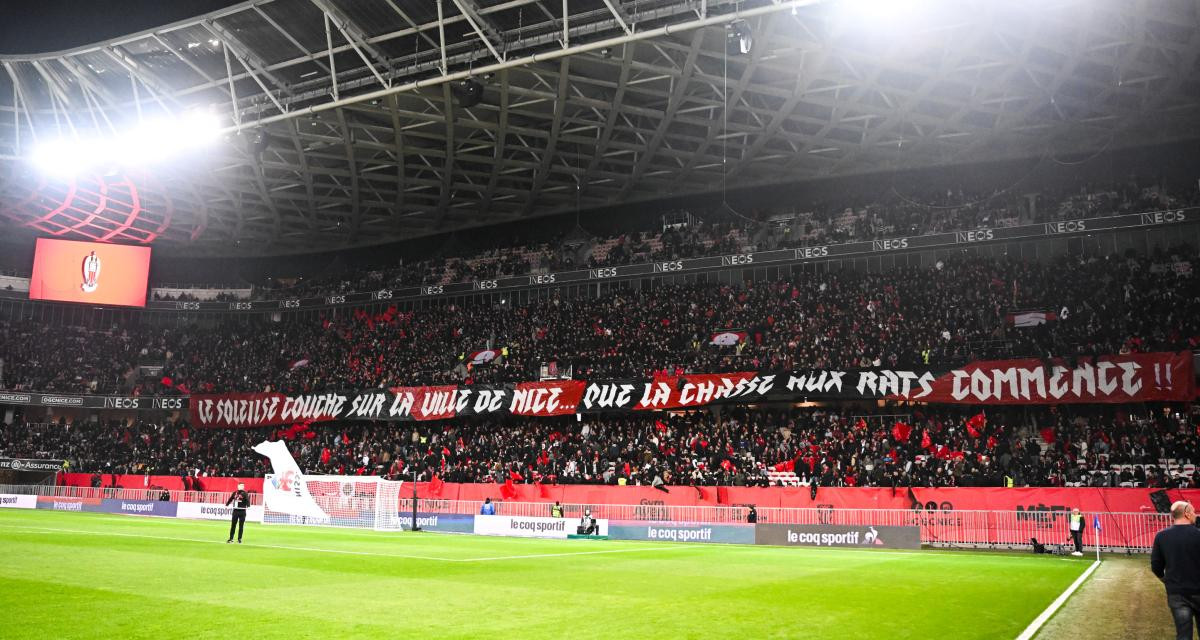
(902, 431)
(926, 441)
(861, 424)
(435, 486)
(661, 427)
(543, 490)
(166, 382)
(992, 442)
(975, 423)
(508, 491)
(1048, 435)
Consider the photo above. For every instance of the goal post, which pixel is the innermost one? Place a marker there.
(358, 502)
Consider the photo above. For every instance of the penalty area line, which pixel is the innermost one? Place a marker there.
(1037, 623)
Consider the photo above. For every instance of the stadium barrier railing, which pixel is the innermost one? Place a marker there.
(1118, 532)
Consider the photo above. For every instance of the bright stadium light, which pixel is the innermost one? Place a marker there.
(893, 21)
(63, 158)
(151, 141)
(882, 8)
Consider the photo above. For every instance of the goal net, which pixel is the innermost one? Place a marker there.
(361, 502)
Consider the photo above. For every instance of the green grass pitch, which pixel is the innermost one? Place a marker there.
(68, 575)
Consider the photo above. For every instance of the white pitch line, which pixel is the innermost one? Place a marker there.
(938, 553)
(580, 553)
(341, 551)
(1037, 623)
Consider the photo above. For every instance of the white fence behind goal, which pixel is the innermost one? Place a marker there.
(358, 502)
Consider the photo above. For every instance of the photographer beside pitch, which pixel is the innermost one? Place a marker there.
(1175, 559)
(238, 518)
(587, 524)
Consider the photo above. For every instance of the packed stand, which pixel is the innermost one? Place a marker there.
(948, 314)
(926, 446)
(848, 217)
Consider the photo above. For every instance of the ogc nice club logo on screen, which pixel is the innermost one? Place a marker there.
(288, 482)
(91, 273)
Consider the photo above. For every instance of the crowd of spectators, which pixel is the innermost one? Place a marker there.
(847, 216)
(184, 296)
(894, 214)
(676, 242)
(462, 265)
(887, 215)
(518, 259)
(830, 446)
(949, 313)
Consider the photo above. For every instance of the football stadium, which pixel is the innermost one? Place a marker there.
(599, 319)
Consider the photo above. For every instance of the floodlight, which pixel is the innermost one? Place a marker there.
(151, 141)
(467, 93)
(259, 142)
(63, 158)
(739, 40)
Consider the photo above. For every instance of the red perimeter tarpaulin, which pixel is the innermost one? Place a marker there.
(960, 515)
(1091, 499)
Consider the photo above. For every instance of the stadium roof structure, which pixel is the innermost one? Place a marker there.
(344, 120)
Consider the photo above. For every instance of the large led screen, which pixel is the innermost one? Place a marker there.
(90, 272)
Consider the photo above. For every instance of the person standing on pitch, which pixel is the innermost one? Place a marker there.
(1076, 524)
(1175, 559)
(238, 519)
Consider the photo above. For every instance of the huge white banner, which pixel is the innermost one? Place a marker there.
(532, 527)
(207, 511)
(285, 491)
(10, 501)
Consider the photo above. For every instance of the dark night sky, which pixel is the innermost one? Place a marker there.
(36, 26)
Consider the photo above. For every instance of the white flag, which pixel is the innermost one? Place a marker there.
(1031, 318)
(285, 490)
